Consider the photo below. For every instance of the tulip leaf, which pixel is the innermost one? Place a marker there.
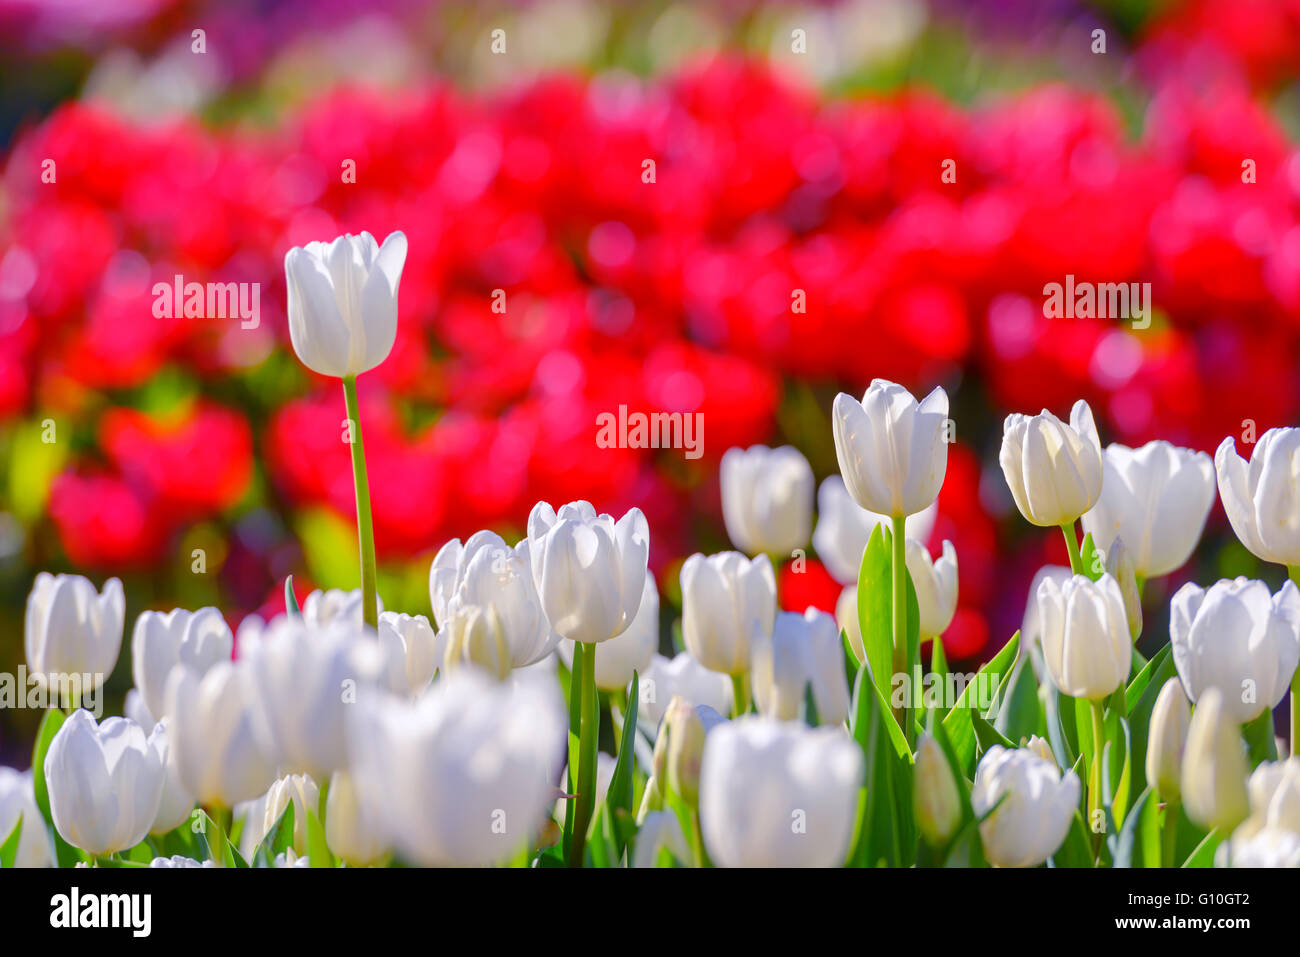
(9, 849)
(1142, 680)
(810, 706)
(1018, 714)
(875, 608)
(1203, 855)
(142, 853)
(317, 849)
(884, 828)
(277, 840)
(939, 667)
(1091, 560)
(619, 795)
(65, 854)
(1123, 845)
(986, 735)
(1076, 851)
(957, 723)
(290, 599)
(1056, 736)
(1261, 740)
(1161, 669)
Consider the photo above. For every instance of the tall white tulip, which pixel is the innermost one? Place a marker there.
(844, 527)
(1214, 765)
(300, 791)
(343, 302)
(728, 600)
(630, 651)
(105, 781)
(336, 606)
(681, 676)
(767, 498)
(1236, 637)
(936, 586)
(177, 801)
(1085, 636)
(1156, 498)
(306, 680)
(18, 799)
(589, 570)
(163, 640)
(802, 651)
(461, 776)
(211, 725)
(1170, 720)
(486, 573)
(1262, 498)
(73, 633)
(778, 794)
(1054, 470)
(348, 832)
(893, 452)
(1037, 805)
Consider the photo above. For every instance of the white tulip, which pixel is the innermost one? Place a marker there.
(105, 782)
(767, 498)
(628, 652)
(73, 631)
(936, 586)
(460, 776)
(778, 794)
(1214, 765)
(18, 799)
(347, 831)
(844, 527)
(1156, 498)
(1262, 498)
(179, 860)
(1119, 566)
(1257, 845)
(304, 794)
(473, 636)
(1167, 737)
(660, 831)
(802, 651)
(680, 676)
(846, 616)
(177, 801)
(1274, 791)
(1235, 637)
(342, 302)
(334, 606)
(588, 569)
(1031, 626)
(306, 680)
(1086, 644)
(133, 707)
(487, 574)
(1038, 804)
(411, 640)
(1054, 470)
(936, 802)
(892, 451)
(161, 641)
(728, 600)
(211, 725)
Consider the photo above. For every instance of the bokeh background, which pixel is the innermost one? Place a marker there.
(522, 171)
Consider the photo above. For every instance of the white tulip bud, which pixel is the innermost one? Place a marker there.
(348, 832)
(177, 801)
(802, 651)
(936, 586)
(304, 794)
(18, 799)
(1120, 567)
(1214, 765)
(342, 302)
(1054, 470)
(414, 644)
(1170, 719)
(1235, 637)
(767, 498)
(1034, 804)
(892, 451)
(72, 632)
(682, 676)
(1260, 497)
(727, 600)
(161, 641)
(1086, 644)
(936, 802)
(105, 782)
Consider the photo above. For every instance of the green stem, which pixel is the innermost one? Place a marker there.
(740, 693)
(1294, 572)
(1169, 836)
(898, 579)
(1094, 772)
(1072, 546)
(220, 817)
(365, 526)
(585, 801)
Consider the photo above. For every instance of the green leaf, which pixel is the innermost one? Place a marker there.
(986, 735)
(939, 666)
(1157, 672)
(1076, 851)
(290, 599)
(1260, 739)
(278, 839)
(957, 723)
(1093, 561)
(1203, 855)
(1018, 713)
(875, 608)
(1126, 842)
(881, 828)
(317, 849)
(810, 707)
(65, 854)
(1056, 736)
(9, 849)
(619, 795)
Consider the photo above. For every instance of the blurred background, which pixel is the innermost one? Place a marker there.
(210, 154)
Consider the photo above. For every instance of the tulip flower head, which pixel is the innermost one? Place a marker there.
(802, 652)
(343, 302)
(892, 450)
(1262, 497)
(844, 528)
(1167, 738)
(1085, 636)
(1032, 805)
(18, 799)
(1214, 765)
(631, 651)
(1054, 470)
(73, 633)
(728, 600)
(936, 586)
(767, 498)
(161, 641)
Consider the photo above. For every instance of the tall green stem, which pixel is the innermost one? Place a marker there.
(739, 693)
(365, 526)
(1072, 546)
(1094, 772)
(1294, 572)
(585, 801)
(898, 577)
(1169, 836)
